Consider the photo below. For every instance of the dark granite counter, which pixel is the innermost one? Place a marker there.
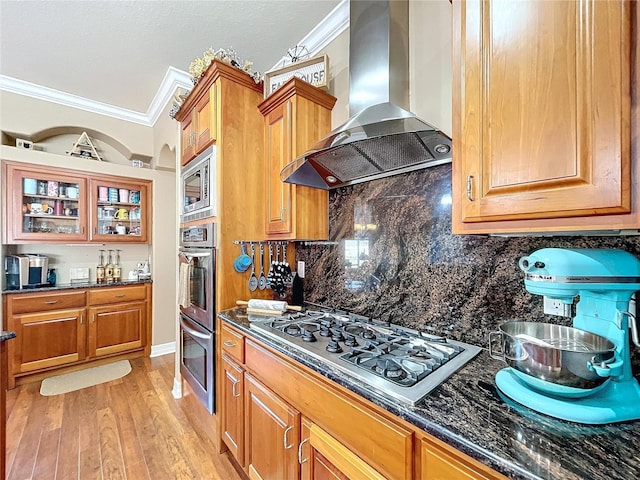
(468, 413)
(73, 286)
(6, 335)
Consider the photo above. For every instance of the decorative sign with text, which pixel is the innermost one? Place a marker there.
(313, 71)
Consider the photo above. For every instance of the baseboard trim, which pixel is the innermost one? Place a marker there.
(163, 349)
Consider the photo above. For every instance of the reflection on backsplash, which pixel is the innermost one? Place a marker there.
(395, 258)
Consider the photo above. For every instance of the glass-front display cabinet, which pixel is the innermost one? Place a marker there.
(120, 210)
(43, 204)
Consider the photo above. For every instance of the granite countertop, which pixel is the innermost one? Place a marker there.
(6, 336)
(469, 413)
(68, 286)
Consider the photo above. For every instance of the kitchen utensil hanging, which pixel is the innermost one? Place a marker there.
(287, 274)
(262, 280)
(253, 280)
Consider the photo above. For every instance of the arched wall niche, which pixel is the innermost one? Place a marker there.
(166, 158)
(60, 139)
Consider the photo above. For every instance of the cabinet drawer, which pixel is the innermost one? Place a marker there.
(104, 295)
(232, 343)
(382, 444)
(44, 302)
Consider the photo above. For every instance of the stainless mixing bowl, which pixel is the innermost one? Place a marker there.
(553, 353)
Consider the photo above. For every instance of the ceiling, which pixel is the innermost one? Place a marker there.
(119, 52)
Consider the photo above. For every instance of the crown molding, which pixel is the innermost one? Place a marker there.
(14, 85)
(336, 22)
(324, 33)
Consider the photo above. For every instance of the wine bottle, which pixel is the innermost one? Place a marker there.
(108, 268)
(117, 270)
(100, 273)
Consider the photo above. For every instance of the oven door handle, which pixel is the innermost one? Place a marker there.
(193, 332)
(189, 256)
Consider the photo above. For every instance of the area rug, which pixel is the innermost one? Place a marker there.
(89, 377)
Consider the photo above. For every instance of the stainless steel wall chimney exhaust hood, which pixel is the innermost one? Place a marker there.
(381, 138)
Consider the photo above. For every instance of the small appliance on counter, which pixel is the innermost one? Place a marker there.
(25, 270)
(581, 374)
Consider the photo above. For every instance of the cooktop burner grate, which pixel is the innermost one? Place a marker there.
(395, 361)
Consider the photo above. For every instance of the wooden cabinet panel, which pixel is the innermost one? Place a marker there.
(116, 328)
(345, 418)
(47, 301)
(187, 142)
(296, 116)
(232, 408)
(541, 121)
(198, 130)
(48, 339)
(441, 462)
(272, 433)
(108, 295)
(232, 343)
(278, 148)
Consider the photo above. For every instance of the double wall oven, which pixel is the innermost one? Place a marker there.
(197, 311)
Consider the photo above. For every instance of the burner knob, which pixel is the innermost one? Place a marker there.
(309, 337)
(351, 341)
(368, 334)
(324, 331)
(334, 347)
(337, 337)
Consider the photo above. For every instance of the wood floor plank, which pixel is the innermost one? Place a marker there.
(89, 462)
(69, 437)
(129, 429)
(110, 449)
(46, 461)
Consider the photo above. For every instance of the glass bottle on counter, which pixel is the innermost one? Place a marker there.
(108, 268)
(117, 270)
(100, 270)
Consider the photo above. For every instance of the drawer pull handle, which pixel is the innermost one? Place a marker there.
(80, 319)
(120, 295)
(51, 302)
(284, 438)
(469, 188)
(229, 343)
(300, 460)
(233, 389)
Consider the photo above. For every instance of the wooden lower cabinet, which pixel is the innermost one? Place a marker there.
(298, 425)
(272, 434)
(116, 328)
(441, 462)
(232, 408)
(66, 327)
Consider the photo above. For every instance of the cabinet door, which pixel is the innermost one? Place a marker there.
(43, 205)
(322, 457)
(187, 140)
(47, 339)
(203, 115)
(541, 109)
(272, 434)
(117, 328)
(278, 154)
(232, 421)
(120, 210)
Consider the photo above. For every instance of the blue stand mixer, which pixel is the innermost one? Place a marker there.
(581, 374)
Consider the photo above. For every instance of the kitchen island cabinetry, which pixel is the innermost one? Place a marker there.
(67, 327)
(335, 433)
(53, 205)
(542, 121)
(296, 116)
(199, 128)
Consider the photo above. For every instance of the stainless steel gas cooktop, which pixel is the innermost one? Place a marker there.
(400, 363)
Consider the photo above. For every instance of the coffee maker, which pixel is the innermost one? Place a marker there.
(25, 270)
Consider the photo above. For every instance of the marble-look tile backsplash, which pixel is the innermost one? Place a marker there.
(393, 256)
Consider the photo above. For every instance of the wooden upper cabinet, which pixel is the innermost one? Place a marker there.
(296, 115)
(199, 127)
(542, 103)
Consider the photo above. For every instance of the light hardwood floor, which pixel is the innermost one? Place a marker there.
(131, 428)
